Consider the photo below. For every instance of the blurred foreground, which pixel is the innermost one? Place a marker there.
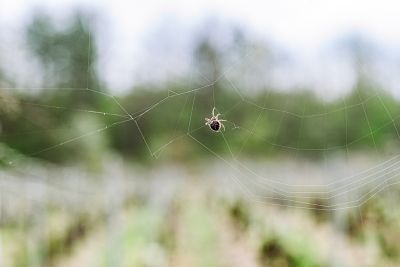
(198, 216)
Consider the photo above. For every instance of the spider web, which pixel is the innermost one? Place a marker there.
(343, 191)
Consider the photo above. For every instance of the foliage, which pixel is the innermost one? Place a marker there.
(263, 123)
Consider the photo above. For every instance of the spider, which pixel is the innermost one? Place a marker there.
(214, 123)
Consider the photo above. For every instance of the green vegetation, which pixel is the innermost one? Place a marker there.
(323, 126)
(270, 122)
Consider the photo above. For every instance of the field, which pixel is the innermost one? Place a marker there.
(178, 216)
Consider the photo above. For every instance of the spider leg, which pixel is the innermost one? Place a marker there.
(213, 112)
(222, 126)
(216, 117)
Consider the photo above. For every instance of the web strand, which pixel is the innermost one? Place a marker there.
(257, 187)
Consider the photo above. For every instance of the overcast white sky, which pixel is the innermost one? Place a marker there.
(301, 26)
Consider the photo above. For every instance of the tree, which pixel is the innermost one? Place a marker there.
(68, 56)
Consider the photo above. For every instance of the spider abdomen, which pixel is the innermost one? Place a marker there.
(215, 126)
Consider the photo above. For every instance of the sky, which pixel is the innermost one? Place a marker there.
(303, 27)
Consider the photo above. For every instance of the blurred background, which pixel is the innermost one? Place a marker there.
(105, 158)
